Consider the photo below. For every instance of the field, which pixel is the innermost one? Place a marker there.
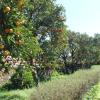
(68, 87)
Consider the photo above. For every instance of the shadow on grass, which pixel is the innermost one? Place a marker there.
(11, 97)
(5, 95)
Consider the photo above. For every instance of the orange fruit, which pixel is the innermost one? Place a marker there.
(6, 53)
(1, 46)
(10, 30)
(19, 22)
(20, 3)
(7, 30)
(23, 21)
(19, 42)
(18, 33)
(7, 9)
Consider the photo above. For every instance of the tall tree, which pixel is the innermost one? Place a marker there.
(49, 28)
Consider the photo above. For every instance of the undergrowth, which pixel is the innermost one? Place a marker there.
(64, 87)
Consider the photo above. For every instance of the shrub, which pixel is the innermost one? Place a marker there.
(22, 78)
(55, 74)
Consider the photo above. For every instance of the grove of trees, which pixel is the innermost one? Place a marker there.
(35, 32)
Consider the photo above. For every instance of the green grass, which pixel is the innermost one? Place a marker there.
(93, 93)
(98, 92)
(16, 94)
(68, 87)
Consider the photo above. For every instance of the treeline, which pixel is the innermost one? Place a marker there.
(82, 51)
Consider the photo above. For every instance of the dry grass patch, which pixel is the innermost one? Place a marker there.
(70, 88)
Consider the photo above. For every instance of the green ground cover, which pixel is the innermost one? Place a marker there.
(68, 87)
(93, 93)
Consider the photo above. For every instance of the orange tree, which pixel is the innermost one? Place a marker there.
(16, 36)
(16, 39)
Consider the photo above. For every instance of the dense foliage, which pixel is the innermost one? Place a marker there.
(35, 31)
(82, 51)
(62, 87)
(22, 78)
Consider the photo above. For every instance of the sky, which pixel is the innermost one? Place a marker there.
(82, 15)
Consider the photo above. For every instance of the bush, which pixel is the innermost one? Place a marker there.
(54, 73)
(22, 78)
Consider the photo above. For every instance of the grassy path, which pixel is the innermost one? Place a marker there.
(94, 93)
(98, 92)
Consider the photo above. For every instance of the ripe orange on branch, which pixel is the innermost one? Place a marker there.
(19, 22)
(6, 53)
(7, 9)
(19, 42)
(20, 3)
(8, 30)
(18, 33)
(1, 46)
